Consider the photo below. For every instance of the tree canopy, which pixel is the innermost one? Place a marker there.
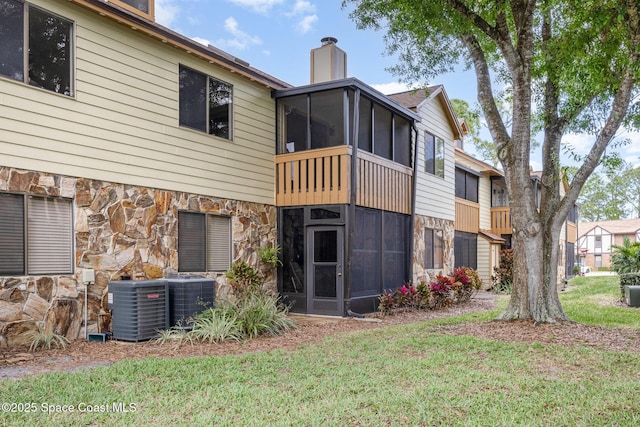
(568, 65)
(612, 192)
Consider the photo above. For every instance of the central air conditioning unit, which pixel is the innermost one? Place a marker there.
(139, 308)
(188, 296)
(632, 295)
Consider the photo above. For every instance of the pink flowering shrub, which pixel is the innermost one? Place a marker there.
(442, 292)
(467, 283)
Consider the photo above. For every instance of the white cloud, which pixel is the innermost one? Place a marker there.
(166, 12)
(390, 88)
(301, 7)
(258, 6)
(306, 24)
(580, 143)
(240, 40)
(201, 41)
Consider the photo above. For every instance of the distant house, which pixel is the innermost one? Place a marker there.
(595, 240)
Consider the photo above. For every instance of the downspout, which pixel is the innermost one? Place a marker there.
(353, 193)
(414, 192)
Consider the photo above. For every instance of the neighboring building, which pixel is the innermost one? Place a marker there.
(124, 148)
(477, 242)
(483, 219)
(438, 130)
(595, 240)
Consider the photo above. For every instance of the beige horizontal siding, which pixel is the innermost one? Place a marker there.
(435, 195)
(122, 124)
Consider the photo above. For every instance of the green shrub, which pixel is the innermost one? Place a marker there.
(244, 280)
(218, 324)
(503, 274)
(628, 279)
(46, 340)
(261, 313)
(176, 335)
(269, 256)
(625, 258)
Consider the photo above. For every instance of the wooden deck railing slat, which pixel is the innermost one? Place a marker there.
(323, 176)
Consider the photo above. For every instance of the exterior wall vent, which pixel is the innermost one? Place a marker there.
(328, 62)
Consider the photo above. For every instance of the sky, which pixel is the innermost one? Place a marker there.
(276, 37)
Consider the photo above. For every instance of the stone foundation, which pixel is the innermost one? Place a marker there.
(120, 230)
(448, 232)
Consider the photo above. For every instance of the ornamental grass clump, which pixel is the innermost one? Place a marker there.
(254, 311)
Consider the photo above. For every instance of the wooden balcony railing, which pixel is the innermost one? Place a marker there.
(501, 221)
(322, 176)
(467, 216)
(572, 232)
(313, 177)
(383, 184)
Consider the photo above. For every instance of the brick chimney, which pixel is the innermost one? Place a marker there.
(328, 62)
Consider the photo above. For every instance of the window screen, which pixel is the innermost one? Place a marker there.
(12, 31)
(49, 51)
(49, 236)
(191, 242)
(401, 141)
(466, 250)
(366, 270)
(205, 103)
(382, 132)
(364, 131)
(204, 242)
(218, 243)
(395, 238)
(11, 234)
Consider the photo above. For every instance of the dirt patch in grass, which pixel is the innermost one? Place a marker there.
(81, 354)
(566, 334)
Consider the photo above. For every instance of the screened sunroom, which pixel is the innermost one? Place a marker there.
(345, 190)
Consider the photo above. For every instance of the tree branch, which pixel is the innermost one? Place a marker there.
(619, 108)
(485, 95)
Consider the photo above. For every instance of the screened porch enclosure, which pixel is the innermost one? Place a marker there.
(344, 189)
(330, 266)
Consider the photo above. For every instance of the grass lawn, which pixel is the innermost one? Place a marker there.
(399, 375)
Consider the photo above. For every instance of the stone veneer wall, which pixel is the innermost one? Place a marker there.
(119, 230)
(422, 222)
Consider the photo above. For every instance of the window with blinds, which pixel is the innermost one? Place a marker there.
(36, 235)
(11, 234)
(204, 242)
